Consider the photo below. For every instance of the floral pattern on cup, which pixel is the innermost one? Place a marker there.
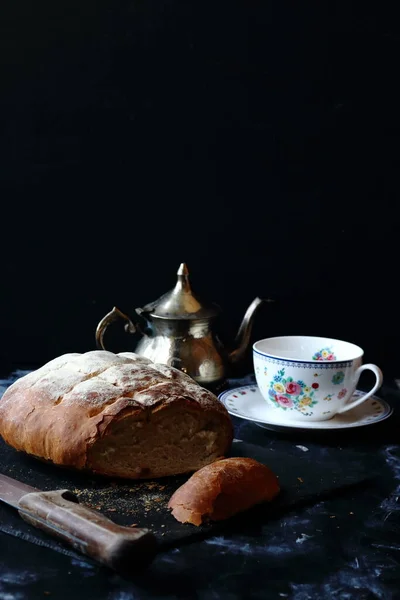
(324, 354)
(342, 393)
(338, 378)
(287, 393)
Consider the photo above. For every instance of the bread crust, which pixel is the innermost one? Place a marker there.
(59, 411)
(223, 489)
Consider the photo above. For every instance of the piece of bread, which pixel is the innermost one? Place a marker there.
(223, 489)
(115, 414)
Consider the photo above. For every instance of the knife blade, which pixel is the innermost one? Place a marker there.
(58, 512)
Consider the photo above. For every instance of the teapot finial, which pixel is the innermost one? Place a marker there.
(183, 270)
(183, 277)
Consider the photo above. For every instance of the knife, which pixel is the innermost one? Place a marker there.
(58, 513)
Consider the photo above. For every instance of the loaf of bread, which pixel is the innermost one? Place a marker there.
(115, 414)
(222, 489)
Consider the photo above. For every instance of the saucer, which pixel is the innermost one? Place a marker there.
(246, 402)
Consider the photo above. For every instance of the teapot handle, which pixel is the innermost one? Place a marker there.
(109, 318)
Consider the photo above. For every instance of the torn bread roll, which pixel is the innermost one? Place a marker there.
(115, 414)
(223, 489)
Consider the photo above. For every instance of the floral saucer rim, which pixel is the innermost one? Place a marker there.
(372, 411)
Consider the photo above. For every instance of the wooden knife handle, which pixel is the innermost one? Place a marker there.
(124, 549)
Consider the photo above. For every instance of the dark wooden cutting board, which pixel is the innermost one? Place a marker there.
(303, 482)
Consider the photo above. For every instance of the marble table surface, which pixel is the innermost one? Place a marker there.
(346, 547)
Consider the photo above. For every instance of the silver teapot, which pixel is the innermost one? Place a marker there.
(177, 330)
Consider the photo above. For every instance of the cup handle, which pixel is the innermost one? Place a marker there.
(379, 379)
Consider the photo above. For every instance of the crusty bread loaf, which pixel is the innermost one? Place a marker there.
(223, 489)
(115, 414)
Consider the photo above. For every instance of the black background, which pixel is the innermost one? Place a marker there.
(256, 141)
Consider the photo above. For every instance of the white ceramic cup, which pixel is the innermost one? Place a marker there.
(310, 378)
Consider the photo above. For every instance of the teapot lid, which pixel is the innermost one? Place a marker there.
(180, 302)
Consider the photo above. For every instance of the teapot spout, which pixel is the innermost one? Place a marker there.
(243, 335)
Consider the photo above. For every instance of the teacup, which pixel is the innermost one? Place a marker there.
(310, 378)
